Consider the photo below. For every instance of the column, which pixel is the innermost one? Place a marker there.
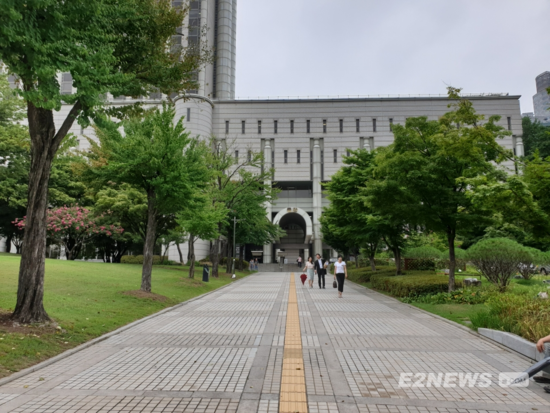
(317, 199)
(268, 206)
(519, 146)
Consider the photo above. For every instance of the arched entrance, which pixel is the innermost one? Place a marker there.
(299, 230)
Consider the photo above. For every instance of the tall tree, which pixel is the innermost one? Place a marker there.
(157, 156)
(536, 137)
(106, 46)
(431, 161)
(232, 179)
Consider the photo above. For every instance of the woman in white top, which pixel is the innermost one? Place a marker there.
(340, 274)
(310, 268)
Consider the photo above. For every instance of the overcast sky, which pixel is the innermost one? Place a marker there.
(371, 47)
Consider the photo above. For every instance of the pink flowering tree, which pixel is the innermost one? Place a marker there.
(72, 227)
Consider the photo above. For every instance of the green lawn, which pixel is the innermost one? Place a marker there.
(459, 313)
(87, 301)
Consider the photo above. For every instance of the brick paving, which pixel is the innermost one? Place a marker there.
(224, 352)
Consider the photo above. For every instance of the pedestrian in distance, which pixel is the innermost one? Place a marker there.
(310, 270)
(299, 260)
(340, 274)
(320, 270)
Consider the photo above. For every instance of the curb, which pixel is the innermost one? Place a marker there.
(454, 323)
(104, 337)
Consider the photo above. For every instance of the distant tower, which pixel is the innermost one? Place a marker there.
(541, 101)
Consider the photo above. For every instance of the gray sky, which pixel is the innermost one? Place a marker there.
(370, 47)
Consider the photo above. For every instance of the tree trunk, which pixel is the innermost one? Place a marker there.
(215, 257)
(397, 254)
(179, 252)
(149, 241)
(241, 257)
(451, 235)
(356, 258)
(372, 263)
(44, 144)
(8, 243)
(191, 256)
(229, 261)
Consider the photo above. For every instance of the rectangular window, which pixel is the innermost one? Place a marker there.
(347, 152)
(275, 126)
(188, 114)
(308, 126)
(259, 127)
(509, 123)
(341, 125)
(374, 125)
(322, 165)
(311, 165)
(357, 127)
(285, 156)
(324, 126)
(237, 156)
(291, 126)
(226, 126)
(298, 156)
(391, 124)
(335, 155)
(249, 156)
(243, 126)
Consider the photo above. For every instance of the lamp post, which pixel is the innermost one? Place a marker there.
(235, 220)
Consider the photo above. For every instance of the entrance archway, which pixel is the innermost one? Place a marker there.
(299, 231)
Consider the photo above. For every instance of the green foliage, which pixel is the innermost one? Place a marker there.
(536, 138)
(411, 285)
(498, 259)
(138, 259)
(424, 252)
(470, 296)
(526, 316)
(364, 274)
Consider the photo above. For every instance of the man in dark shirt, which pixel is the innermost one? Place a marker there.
(320, 270)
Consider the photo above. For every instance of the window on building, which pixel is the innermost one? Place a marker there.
(285, 156)
(226, 126)
(243, 126)
(298, 156)
(347, 152)
(509, 123)
(308, 126)
(237, 156)
(311, 165)
(374, 125)
(259, 127)
(357, 126)
(341, 121)
(391, 124)
(249, 156)
(188, 118)
(291, 126)
(275, 126)
(324, 126)
(322, 165)
(335, 155)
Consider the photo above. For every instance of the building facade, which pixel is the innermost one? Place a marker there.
(304, 139)
(541, 100)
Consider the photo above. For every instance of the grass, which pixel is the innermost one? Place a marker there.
(459, 313)
(87, 300)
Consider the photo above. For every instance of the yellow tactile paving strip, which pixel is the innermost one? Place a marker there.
(292, 398)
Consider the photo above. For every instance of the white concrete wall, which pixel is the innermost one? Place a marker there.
(202, 250)
(349, 110)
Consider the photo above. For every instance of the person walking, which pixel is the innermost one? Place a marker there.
(299, 261)
(320, 270)
(340, 274)
(310, 268)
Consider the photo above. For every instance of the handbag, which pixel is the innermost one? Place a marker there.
(334, 284)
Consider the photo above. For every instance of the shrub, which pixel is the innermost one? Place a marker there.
(498, 259)
(528, 268)
(462, 296)
(128, 259)
(521, 314)
(423, 253)
(138, 259)
(407, 285)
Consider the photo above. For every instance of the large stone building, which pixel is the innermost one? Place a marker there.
(305, 139)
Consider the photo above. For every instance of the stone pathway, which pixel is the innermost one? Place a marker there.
(226, 352)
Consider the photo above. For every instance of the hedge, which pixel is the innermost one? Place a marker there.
(138, 259)
(362, 275)
(407, 285)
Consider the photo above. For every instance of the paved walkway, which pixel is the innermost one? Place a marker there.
(225, 352)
